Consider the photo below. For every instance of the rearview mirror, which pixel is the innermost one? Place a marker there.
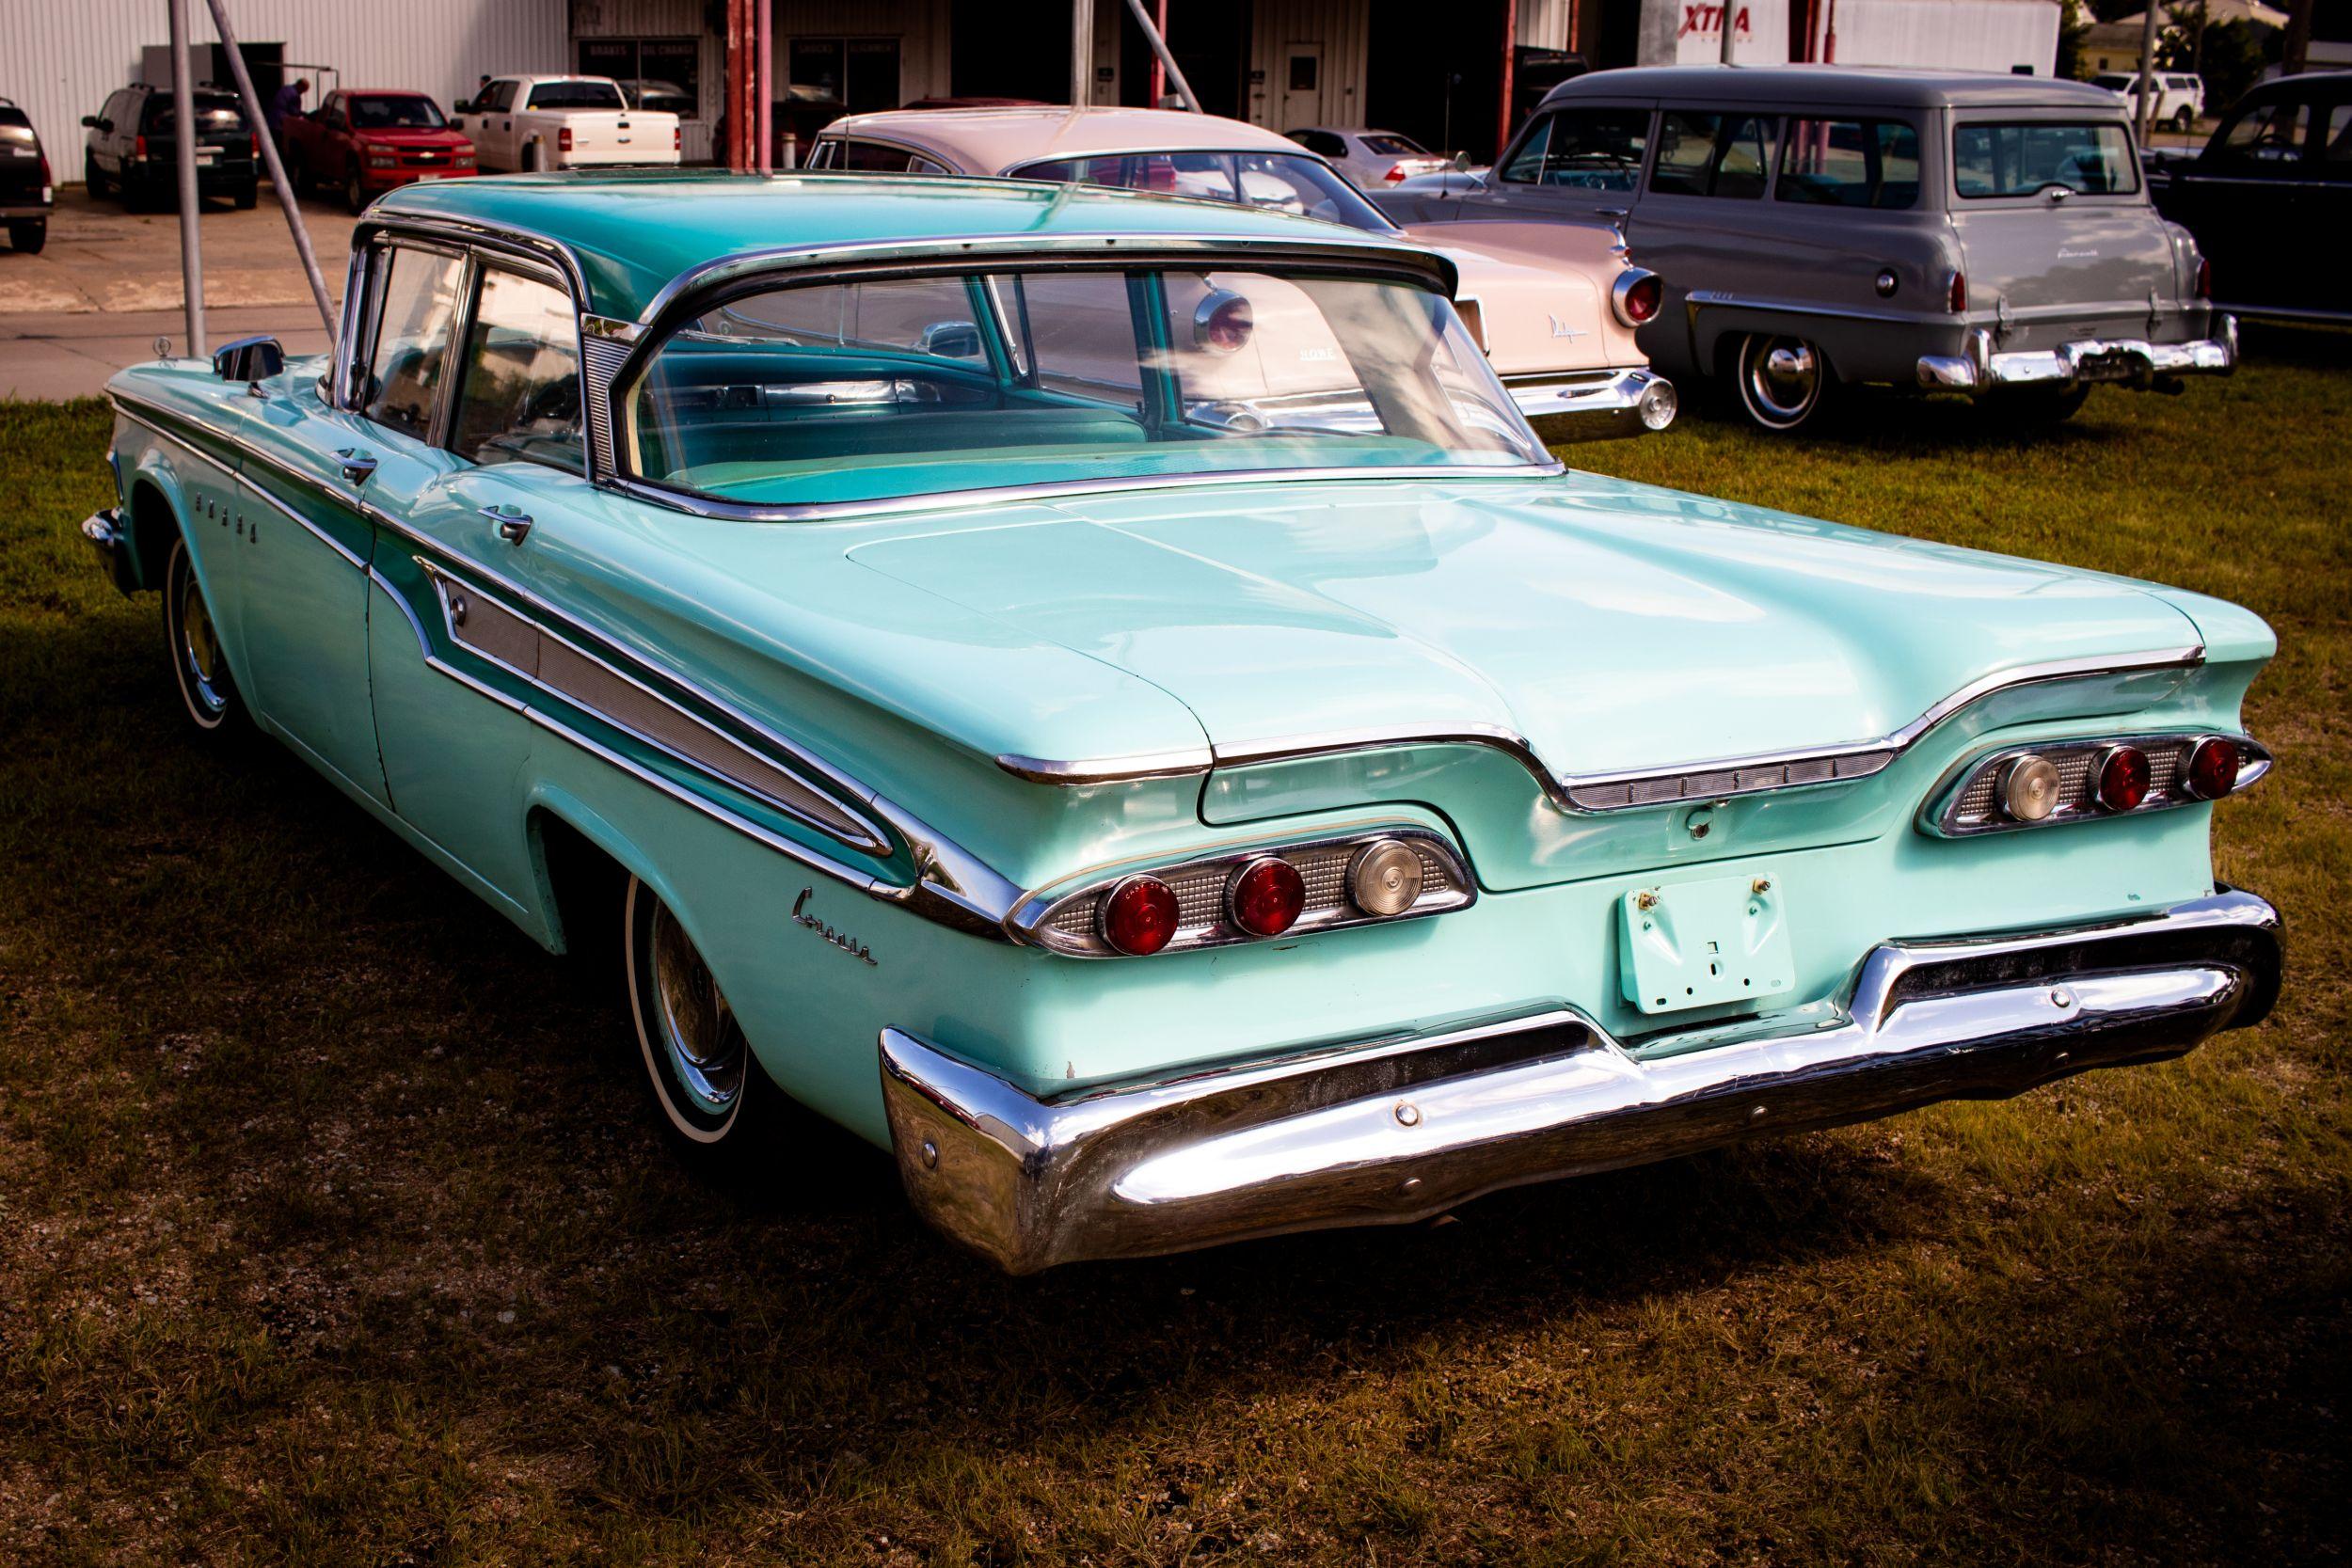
(463, 107)
(249, 359)
(1461, 162)
(90, 121)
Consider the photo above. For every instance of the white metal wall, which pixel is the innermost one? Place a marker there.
(59, 59)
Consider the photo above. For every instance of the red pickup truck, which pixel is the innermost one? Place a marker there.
(365, 141)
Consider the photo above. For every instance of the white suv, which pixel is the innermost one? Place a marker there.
(2180, 96)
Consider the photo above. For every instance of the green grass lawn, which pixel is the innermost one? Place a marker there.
(334, 1226)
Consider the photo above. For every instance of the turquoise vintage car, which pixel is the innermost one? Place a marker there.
(1161, 794)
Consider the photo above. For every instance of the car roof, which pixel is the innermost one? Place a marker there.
(989, 140)
(629, 235)
(1803, 86)
(2298, 86)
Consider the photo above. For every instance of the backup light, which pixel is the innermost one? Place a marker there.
(1139, 916)
(2123, 777)
(1386, 879)
(2029, 788)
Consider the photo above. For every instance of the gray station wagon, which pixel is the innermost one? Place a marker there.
(1821, 226)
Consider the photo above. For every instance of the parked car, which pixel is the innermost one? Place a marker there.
(2180, 95)
(1820, 226)
(815, 603)
(1371, 158)
(26, 193)
(2269, 199)
(364, 142)
(668, 96)
(132, 151)
(549, 122)
(1554, 308)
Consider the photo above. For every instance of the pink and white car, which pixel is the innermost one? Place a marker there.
(1554, 306)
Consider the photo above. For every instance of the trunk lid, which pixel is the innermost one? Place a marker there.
(1615, 626)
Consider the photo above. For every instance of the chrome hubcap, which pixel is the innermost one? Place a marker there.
(1784, 378)
(698, 1032)
(199, 650)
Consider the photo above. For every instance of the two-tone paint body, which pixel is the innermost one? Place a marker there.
(858, 749)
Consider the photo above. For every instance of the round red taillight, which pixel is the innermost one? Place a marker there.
(1639, 296)
(1223, 323)
(2122, 778)
(1266, 896)
(1139, 916)
(2213, 768)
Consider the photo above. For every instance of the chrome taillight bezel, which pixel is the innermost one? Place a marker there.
(1622, 290)
(1967, 802)
(1067, 919)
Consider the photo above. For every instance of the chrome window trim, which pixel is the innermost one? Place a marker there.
(1577, 793)
(1028, 923)
(1939, 816)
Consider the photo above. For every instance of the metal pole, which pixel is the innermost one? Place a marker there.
(1727, 8)
(1159, 69)
(761, 68)
(276, 169)
(2146, 69)
(1167, 61)
(740, 129)
(1082, 53)
(1510, 51)
(183, 147)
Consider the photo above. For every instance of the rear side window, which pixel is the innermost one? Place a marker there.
(520, 397)
(414, 319)
(1851, 163)
(1595, 150)
(2094, 158)
(1712, 154)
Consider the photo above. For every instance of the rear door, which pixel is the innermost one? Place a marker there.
(2056, 230)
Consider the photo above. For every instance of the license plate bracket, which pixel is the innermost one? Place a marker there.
(1704, 945)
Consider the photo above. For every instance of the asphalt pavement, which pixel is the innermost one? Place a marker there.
(107, 285)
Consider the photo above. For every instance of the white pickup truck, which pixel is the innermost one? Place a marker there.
(539, 122)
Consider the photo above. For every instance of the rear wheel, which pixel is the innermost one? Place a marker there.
(1782, 381)
(703, 1072)
(354, 196)
(531, 158)
(93, 180)
(29, 236)
(2184, 119)
(198, 667)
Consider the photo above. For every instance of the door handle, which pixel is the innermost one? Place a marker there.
(513, 527)
(358, 464)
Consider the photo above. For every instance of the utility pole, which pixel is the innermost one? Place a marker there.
(184, 148)
(283, 186)
(2296, 52)
(2145, 117)
(761, 66)
(1081, 53)
(1510, 58)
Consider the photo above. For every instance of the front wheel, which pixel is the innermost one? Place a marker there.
(29, 236)
(354, 196)
(703, 1072)
(202, 674)
(1783, 381)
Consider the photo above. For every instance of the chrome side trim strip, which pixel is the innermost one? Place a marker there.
(146, 419)
(1396, 1128)
(1716, 778)
(424, 643)
(1154, 764)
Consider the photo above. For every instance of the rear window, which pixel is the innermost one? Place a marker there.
(1851, 163)
(2092, 157)
(575, 95)
(1395, 146)
(15, 130)
(213, 112)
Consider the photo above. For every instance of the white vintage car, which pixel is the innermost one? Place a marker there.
(524, 123)
(1553, 306)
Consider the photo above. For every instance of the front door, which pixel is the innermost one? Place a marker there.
(2249, 199)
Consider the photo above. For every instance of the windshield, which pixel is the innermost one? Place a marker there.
(2094, 158)
(1285, 182)
(396, 114)
(830, 393)
(586, 94)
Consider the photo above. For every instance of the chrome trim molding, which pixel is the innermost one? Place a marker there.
(1714, 779)
(1399, 1127)
(1964, 805)
(1155, 764)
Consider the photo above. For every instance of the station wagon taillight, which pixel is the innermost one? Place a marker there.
(2204, 279)
(1957, 301)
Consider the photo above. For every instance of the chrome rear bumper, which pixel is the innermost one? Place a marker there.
(1399, 1128)
(2127, 362)
(1594, 405)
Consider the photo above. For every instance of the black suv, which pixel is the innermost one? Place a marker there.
(25, 188)
(131, 148)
